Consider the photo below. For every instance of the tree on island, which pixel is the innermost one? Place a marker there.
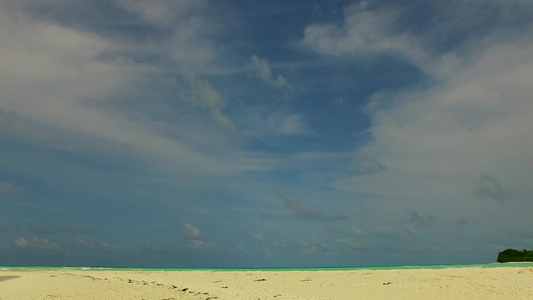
(512, 255)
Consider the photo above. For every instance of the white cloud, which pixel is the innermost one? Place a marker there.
(191, 42)
(262, 70)
(368, 32)
(364, 31)
(203, 94)
(292, 124)
(190, 45)
(21, 242)
(190, 231)
(194, 239)
(55, 78)
(457, 144)
(258, 237)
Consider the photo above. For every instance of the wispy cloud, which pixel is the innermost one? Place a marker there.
(164, 13)
(267, 125)
(489, 187)
(199, 245)
(303, 210)
(369, 31)
(80, 100)
(358, 232)
(412, 231)
(414, 218)
(37, 244)
(7, 188)
(262, 70)
(190, 231)
(203, 94)
(47, 227)
(194, 240)
(191, 40)
(258, 237)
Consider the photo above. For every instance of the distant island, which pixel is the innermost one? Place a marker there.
(512, 255)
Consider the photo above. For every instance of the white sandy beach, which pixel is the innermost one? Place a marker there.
(464, 283)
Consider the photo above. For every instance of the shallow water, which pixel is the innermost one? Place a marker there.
(491, 265)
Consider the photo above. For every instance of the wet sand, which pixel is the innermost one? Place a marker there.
(3, 278)
(459, 283)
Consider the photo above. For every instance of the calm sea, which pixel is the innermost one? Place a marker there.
(491, 265)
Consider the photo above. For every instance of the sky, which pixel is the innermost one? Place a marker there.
(240, 133)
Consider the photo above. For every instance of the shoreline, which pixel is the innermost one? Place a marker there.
(502, 282)
(274, 269)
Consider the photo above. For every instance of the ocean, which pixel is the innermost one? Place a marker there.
(489, 265)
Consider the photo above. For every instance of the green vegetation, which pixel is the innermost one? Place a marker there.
(512, 255)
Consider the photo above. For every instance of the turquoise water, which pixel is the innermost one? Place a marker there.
(491, 265)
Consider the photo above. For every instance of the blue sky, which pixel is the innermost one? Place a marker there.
(231, 133)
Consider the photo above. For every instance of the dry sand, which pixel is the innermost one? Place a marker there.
(465, 283)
